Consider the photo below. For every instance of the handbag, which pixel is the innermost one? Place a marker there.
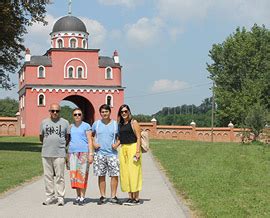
(144, 139)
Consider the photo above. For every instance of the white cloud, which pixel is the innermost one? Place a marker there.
(165, 85)
(97, 32)
(38, 38)
(145, 32)
(249, 10)
(126, 3)
(183, 10)
(174, 32)
(239, 10)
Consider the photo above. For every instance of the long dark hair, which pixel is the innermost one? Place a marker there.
(120, 118)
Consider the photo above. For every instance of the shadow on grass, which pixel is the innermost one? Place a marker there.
(20, 146)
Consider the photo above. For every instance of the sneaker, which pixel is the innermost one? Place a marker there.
(82, 202)
(49, 201)
(133, 202)
(102, 200)
(115, 200)
(136, 202)
(61, 202)
(76, 202)
(128, 202)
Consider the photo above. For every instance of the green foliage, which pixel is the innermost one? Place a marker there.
(256, 119)
(15, 17)
(241, 72)
(8, 107)
(182, 115)
(220, 179)
(66, 112)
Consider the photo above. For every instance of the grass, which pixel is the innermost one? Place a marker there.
(20, 160)
(220, 179)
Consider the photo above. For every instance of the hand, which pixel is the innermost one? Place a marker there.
(138, 155)
(91, 159)
(114, 146)
(96, 146)
(67, 162)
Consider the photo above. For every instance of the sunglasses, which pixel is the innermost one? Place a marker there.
(124, 111)
(77, 115)
(54, 111)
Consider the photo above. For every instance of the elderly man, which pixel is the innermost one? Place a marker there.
(54, 135)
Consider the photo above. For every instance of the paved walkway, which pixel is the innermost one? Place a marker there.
(157, 200)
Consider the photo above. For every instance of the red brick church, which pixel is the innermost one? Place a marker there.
(71, 71)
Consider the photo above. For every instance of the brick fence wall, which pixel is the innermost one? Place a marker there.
(193, 133)
(9, 126)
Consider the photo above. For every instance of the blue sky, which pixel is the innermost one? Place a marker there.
(163, 44)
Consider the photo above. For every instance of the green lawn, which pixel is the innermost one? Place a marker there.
(20, 161)
(220, 179)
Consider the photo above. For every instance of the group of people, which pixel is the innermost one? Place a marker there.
(112, 146)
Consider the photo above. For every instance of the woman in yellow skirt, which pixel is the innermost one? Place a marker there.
(130, 155)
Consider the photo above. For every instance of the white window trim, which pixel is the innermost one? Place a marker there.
(109, 95)
(73, 74)
(76, 44)
(106, 73)
(43, 71)
(77, 72)
(84, 40)
(63, 42)
(78, 59)
(44, 97)
(21, 102)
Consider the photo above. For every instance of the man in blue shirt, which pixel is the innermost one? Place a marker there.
(105, 142)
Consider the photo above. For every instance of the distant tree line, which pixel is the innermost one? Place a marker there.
(182, 115)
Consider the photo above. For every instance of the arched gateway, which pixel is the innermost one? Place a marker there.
(68, 71)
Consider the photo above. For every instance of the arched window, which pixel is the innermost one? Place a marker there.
(41, 99)
(84, 43)
(108, 73)
(109, 100)
(70, 72)
(41, 72)
(80, 72)
(60, 43)
(72, 43)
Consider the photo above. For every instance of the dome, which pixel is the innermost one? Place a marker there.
(69, 23)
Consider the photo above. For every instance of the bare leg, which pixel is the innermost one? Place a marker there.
(82, 192)
(78, 192)
(136, 195)
(102, 185)
(114, 184)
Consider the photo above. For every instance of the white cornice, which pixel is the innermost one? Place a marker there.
(69, 89)
(68, 33)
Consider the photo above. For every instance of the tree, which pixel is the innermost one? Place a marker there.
(66, 112)
(15, 17)
(256, 119)
(241, 72)
(8, 107)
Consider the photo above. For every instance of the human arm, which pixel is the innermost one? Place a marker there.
(116, 144)
(90, 146)
(94, 144)
(137, 131)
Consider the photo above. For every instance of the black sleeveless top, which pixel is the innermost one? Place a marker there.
(126, 134)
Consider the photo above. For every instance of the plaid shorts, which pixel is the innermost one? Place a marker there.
(103, 164)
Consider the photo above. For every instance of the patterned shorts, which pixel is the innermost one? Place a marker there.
(103, 164)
